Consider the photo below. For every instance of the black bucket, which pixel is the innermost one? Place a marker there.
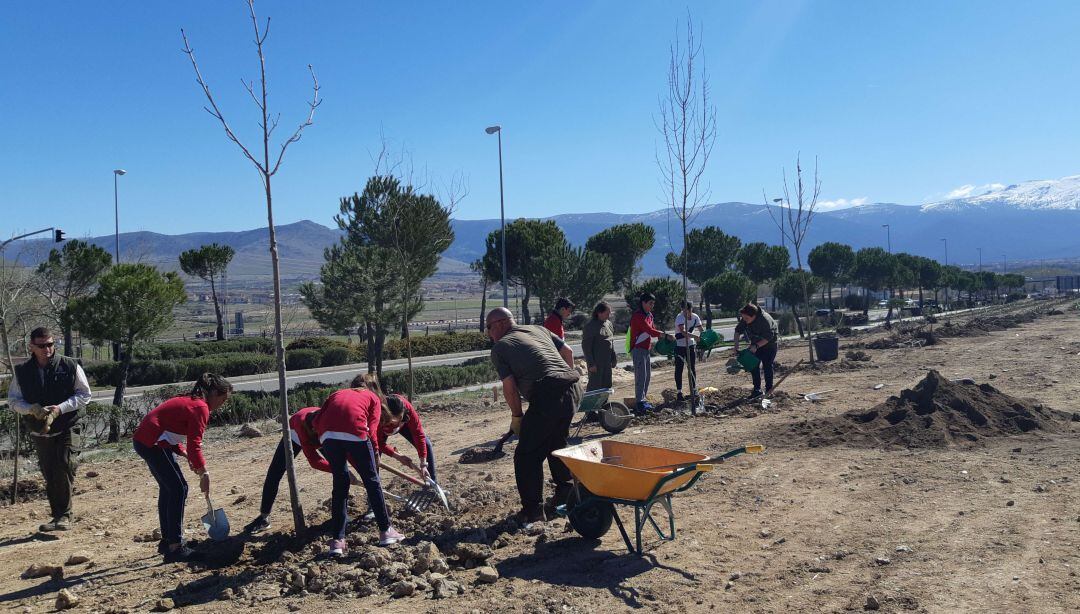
(827, 348)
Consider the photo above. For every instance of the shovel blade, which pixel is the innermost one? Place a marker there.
(216, 524)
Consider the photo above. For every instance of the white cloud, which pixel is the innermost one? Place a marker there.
(841, 203)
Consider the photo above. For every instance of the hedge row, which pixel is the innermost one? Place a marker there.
(334, 352)
(192, 349)
(148, 372)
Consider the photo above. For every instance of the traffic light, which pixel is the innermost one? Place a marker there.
(58, 235)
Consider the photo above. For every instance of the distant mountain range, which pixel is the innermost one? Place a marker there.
(1028, 221)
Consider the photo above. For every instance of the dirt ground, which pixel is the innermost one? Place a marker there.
(992, 525)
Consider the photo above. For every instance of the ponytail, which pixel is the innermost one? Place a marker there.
(210, 382)
(369, 381)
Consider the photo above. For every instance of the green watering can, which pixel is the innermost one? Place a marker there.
(744, 361)
(665, 347)
(709, 338)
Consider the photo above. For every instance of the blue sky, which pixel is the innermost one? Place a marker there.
(901, 102)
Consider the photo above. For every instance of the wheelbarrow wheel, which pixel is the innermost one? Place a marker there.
(589, 516)
(614, 417)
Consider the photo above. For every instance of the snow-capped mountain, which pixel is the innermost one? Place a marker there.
(1042, 195)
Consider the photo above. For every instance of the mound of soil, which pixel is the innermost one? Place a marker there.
(28, 491)
(726, 401)
(935, 413)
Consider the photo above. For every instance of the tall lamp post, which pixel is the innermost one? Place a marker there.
(502, 214)
(1004, 264)
(980, 257)
(888, 236)
(780, 202)
(116, 208)
(946, 242)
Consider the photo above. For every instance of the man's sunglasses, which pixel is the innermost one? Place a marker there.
(44, 345)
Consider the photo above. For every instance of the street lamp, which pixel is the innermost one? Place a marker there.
(116, 208)
(946, 241)
(780, 202)
(888, 236)
(1004, 264)
(502, 214)
(980, 257)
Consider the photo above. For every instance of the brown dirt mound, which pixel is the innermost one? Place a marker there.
(935, 413)
(729, 401)
(28, 491)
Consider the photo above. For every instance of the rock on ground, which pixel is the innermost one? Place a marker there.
(65, 600)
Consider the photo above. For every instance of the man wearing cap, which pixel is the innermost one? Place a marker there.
(561, 312)
(536, 365)
(49, 390)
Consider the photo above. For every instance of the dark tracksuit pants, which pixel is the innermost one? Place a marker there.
(58, 460)
(274, 475)
(544, 429)
(361, 455)
(172, 490)
(767, 356)
(682, 357)
(430, 452)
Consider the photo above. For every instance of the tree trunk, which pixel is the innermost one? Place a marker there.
(217, 311)
(483, 304)
(708, 315)
(18, 419)
(405, 323)
(69, 344)
(118, 395)
(798, 324)
(809, 321)
(830, 299)
(369, 333)
(525, 305)
(380, 343)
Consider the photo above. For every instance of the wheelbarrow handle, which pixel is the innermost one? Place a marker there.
(750, 448)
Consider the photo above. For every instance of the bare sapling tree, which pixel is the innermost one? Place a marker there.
(687, 123)
(799, 214)
(267, 165)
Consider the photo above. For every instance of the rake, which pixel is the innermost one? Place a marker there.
(422, 499)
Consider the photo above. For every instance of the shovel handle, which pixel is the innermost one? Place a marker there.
(402, 475)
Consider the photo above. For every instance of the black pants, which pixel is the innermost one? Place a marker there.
(682, 357)
(361, 455)
(430, 452)
(172, 490)
(543, 430)
(274, 475)
(767, 356)
(57, 460)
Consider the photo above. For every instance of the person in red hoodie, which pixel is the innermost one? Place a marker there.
(642, 333)
(399, 416)
(562, 311)
(304, 439)
(346, 424)
(158, 441)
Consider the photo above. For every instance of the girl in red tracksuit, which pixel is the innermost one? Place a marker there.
(642, 333)
(158, 441)
(304, 439)
(346, 425)
(400, 416)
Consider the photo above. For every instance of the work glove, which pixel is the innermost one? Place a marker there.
(515, 425)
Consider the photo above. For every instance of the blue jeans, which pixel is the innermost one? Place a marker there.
(172, 490)
(430, 452)
(767, 356)
(273, 477)
(361, 456)
(642, 373)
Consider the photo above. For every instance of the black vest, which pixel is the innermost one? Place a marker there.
(59, 386)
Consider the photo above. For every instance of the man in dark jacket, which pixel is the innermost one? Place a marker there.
(49, 390)
(535, 364)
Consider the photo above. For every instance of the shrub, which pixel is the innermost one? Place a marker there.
(335, 356)
(191, 349)
(856, 302)
(621, 320)
(434, 379)
(303, 359)
(785, 324)
(577, 321)
(315, 343)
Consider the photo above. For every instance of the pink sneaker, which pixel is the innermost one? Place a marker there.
(390, 536)
(337, 547)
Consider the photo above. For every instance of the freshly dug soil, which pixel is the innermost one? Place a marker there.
(935, 413)
(28, 491)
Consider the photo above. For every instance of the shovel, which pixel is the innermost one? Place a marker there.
(215, 522)
(422, 499)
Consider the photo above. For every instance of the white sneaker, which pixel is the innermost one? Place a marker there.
(337, 547)
(389, 537)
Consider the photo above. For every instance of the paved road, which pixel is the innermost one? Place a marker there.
(336, 375)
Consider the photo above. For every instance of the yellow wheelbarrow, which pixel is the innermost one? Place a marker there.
(609, 473)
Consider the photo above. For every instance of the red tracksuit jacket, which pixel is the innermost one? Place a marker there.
(411, 423)
(351, 414)
(175, 420)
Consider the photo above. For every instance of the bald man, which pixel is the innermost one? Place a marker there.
(537, 365)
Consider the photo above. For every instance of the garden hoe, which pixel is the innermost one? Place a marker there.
(422, 499)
